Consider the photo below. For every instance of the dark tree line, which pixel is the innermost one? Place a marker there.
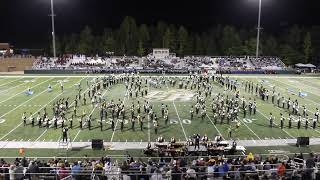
(294, 44)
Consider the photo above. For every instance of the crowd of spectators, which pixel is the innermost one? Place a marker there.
(267, 63)
(149, 62)
(235, 167)
(44, 63)
(233, 63)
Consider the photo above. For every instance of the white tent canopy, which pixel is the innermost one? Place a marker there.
(300, 65)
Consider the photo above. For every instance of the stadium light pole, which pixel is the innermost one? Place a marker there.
(258, 30)
(53, 31)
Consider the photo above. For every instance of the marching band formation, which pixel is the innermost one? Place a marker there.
(225, 102)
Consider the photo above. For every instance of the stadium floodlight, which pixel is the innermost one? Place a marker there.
(53, 31)
(258, 30)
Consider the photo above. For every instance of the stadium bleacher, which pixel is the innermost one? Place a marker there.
(251, 166)
(170, 63)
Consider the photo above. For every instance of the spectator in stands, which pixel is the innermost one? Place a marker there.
(156, 175)
(191, 173)
(211, 170)
(62, 172)
(310, 164)
(12, 169)
(34, 169)
(176, 173)
(281, 169)
(75, 170)
(19, 172)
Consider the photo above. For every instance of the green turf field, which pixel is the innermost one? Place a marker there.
(14, 101)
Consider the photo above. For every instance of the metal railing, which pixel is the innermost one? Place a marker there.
(162, 174)
(145, 157)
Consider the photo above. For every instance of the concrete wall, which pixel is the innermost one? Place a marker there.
(15, 64)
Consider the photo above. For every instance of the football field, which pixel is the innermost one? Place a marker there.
(14, 101)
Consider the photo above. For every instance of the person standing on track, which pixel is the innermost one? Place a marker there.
(65, 134)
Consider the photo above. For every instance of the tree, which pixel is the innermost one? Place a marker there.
(270, 47)
(209, 41)
(307, 47)
(198, 49)
(158, 35)
(293, 37)
(250, 47)
(108, 41)
(182, 40)
(144, 37)
(86, 40)
(128, 36)
(71, 44)
(173, 46)
(289, 55)
(133, 37)
(190, 45)
(230, 41)
(167, 38)
(141, 49)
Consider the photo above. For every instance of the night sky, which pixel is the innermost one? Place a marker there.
(26, 24)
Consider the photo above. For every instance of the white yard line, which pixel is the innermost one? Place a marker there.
(311, 87)
(75, 137)
(149, 127)
(294, 115)
(9, 82)
(22, 92)
(115, 128)
(250, 129)
(32, 115)
(242, 123)
(8, 134)
(215, 126)
(70, 106)
(296, 88)
(5, 90)
(149, 131)
(89, 114)
(174, 105)
(41, 135)
(27, 100)
(283, 90)
(275, 124)
(185, 135)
